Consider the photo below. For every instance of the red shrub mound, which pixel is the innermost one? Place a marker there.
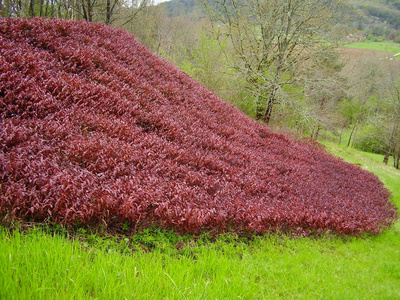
(95, 129)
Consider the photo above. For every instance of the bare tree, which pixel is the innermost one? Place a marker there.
(121, 11)
(391, 113)
(271, 41)
(87, 9)
(373, 109)
(102, 11)
(365, 74)
(324, 89)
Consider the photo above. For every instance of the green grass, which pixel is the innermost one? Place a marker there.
(389, 47)
(44, 263)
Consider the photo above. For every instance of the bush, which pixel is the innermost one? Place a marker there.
(97, 130)
(371, 139)
(370, 144)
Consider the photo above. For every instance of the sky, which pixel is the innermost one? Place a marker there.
(159, 1)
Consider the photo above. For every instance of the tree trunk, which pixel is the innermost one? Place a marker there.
(32, 8)
(316, 134)
(90, 10)
(340, 136)
(270, 105)
(351, 134)
(46, 10)
(267, 116)
(19, 11)
(87, 10)
(84, 11)
(386, 158)
(41, 8)
(108, 12)
(110, 7)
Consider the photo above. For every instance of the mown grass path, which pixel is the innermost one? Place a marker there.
(41, 265)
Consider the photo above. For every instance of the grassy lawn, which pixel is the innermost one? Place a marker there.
(47, 264)
(391, 48)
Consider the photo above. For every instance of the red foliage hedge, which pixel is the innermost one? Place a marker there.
(95, 129)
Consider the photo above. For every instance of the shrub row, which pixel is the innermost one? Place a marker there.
(95, 129)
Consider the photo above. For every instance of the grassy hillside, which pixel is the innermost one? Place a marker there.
(389, 48)
(161, 265)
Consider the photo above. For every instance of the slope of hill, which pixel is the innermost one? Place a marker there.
(385, 12)
(95, 129)
(179, 7)
(375, 17)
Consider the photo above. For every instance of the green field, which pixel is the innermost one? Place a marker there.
(50, 264)
(389, 47)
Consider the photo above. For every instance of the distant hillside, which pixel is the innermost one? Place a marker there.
(375, 17)
(179, 7)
